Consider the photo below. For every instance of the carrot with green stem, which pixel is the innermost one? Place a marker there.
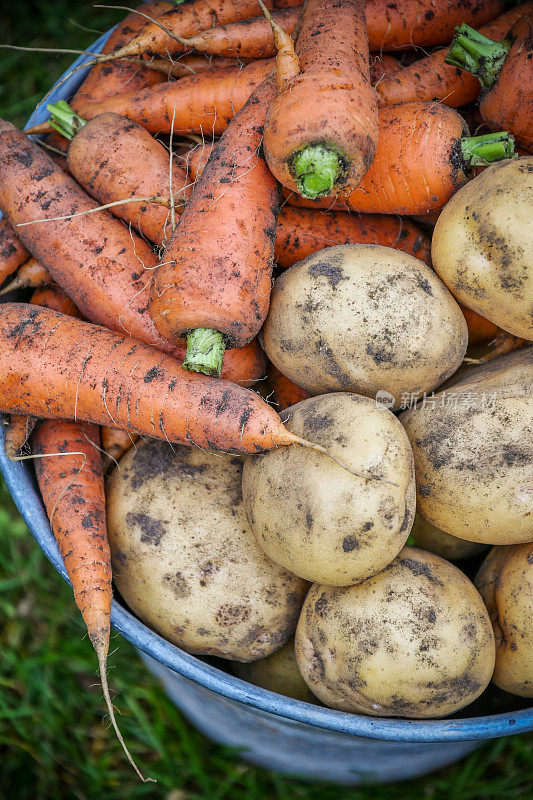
(322, 129)
(54, 366)
(115, 159)
(430, 78)
(68, 467)
(216, 288)
(505, 71)
(424, 155)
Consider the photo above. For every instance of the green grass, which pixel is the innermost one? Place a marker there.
(55, 741)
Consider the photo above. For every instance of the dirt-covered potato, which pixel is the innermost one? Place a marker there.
(413, 641)
(505, 581)
(314, 517)
(428, 537)
(278, 673)
(473, 449)
(482, 245)
(184, 558)
(363, 318)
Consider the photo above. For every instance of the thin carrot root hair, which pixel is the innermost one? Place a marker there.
(162, 200)
(499, 346)
(287, 61)
(318, 447)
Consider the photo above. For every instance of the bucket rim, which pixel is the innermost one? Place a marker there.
(21, 484)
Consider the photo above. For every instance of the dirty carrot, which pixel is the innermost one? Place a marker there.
(504, 71)
(16, 433)
(286, 393)
(430, 78)
(30, 274)
(423, 22)
(188, 65)
(55, 366)
(216, 288)
(12, 251)
(68, 468)
(114, 444)
(381, 65)
(480, 330)
(103, 266)
(322, 129)
(113, 159)
(203, 104)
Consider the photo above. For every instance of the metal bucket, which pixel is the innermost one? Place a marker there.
(297, 738)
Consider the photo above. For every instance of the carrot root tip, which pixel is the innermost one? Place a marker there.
(478, 54)
(477, 151)
(205, 351)
(316, 168)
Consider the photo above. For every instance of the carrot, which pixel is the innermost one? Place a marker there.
(249, 38)
(423, 22)
(68, 468)
(286, 393)
(114, 159)
(214, 279)
(303, 231)
(381, 65)
(503, 343)
(421, 160)
(17, 432)
(430, 78)
(55, 298)
(12, 251)
(203, 104)
(103, 266)
(321, 131)
(480, 330)
(55, 366)
(188, 65)
(505, 73)
(30, 274)
(114, 444)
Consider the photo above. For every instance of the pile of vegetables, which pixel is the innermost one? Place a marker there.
(271, 348)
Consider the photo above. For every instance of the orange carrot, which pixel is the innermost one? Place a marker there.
(286, 393)
(503, 343)
(423, 22)
(16, 434)
(30, 274)
(188, 65)
(421, 160)
(55, 298)
(216, 288)
(301, 232)
(505, 72)
(203, 104)
(103, 266)
(321, 131)
(68, 468)
(480, 330)
(381, 65)
(113, 159)
(55, 366)
(114, 444)
(430, 78)
(12, 251)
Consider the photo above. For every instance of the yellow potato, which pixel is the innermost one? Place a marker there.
(185, 560)
(482, 245)
(278, 673)
(364, 318)
(413, 641)
(473, 451)
(314, 517)
(428, 537)
(505, 581)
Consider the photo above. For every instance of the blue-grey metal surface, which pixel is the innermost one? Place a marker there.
(279, 732)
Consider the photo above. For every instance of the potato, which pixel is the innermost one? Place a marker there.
(428, 537)
(413, 641)
(314, 517)
(363, 318)
(278, 673)
(185, 560)
(473, 449)
(505, 581)
(482, 246)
